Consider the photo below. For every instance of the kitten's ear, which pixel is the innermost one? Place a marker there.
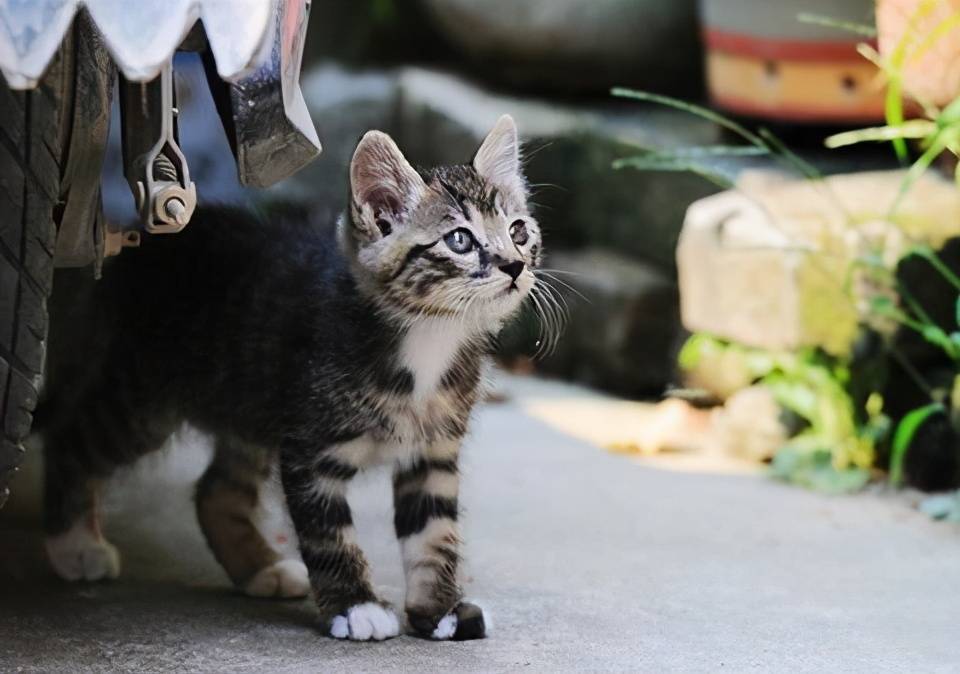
(383, 185)
(498, 159)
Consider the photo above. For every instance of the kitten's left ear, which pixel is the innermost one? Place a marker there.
(383, 185)
(498, 159)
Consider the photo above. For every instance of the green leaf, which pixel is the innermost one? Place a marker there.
(937, 145)
(915, 128)
(882, 304)
(956, 308)
(903, 436)
(936, 336)
(928, 254)
(950, 114)
(701, 151)
(813, 468)
(645, 163)
(697, 347)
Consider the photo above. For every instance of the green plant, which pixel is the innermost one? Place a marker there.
(833, 452)
(937, 132)
(703, 160)
(822, 455)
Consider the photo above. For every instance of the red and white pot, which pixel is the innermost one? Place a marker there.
(762, 61)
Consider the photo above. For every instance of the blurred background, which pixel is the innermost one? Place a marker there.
(607, 97)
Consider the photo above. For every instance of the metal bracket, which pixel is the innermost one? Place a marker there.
(154, 165)
(115, 240)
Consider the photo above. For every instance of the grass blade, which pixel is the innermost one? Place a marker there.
(903, 437)
(829, 22)
(789, 157)
(937, 145)
(656, 164)
(708, 152)
(915, 128)
(692, 109)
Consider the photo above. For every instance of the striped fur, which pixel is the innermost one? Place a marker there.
(326, 351)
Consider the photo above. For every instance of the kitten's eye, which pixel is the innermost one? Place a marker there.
(519, 233)
(460, 241)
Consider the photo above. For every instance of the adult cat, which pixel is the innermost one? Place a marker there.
(332, 350)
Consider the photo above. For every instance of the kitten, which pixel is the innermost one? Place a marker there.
(332, 351)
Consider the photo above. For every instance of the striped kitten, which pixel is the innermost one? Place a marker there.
(333, 351)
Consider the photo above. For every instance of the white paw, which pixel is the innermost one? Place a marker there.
(446, 628)
(287, 578)
(80, 555)
(364, 622)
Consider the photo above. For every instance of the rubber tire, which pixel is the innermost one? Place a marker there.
(32, 137)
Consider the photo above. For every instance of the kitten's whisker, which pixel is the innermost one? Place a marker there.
(553, 294)
(529, 153)
(561, 271)
(552, 323)
(541, 315)
(558, 318)
(564, 284)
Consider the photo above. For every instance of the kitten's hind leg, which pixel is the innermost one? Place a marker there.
(75, 544)
(230, 496)
(80, 452)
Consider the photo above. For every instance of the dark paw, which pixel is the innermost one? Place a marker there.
(465, 622)
(471, 623)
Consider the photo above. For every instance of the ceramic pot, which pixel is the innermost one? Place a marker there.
(763, 62)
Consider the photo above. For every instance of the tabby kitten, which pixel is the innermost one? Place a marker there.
(333, 350)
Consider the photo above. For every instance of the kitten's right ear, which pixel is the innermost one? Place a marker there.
(383, 186)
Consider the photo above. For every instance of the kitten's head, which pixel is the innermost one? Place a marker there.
(455, 241)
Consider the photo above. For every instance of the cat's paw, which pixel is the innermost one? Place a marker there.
(286, 579)
(365, 622)
(79, 554)
(465, 622)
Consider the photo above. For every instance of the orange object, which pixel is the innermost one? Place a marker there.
(795, 90)
(763, 62)
(929, 30)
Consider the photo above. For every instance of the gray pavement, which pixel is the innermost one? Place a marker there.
(587, 561)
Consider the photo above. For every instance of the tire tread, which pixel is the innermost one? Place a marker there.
(30, 125)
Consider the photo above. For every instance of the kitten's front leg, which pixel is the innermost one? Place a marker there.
(315, 485)
(425, 518)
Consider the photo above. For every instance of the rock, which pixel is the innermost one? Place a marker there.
(576, 45)
(769, 265)
(622, 329)
(748, 425)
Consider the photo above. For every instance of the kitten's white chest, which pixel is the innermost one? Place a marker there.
(428, 351)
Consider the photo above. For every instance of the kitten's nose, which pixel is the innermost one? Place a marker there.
(512, 269)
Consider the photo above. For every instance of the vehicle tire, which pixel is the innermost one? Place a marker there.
(32, 135)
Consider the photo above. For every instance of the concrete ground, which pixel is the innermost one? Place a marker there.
(587, 561)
